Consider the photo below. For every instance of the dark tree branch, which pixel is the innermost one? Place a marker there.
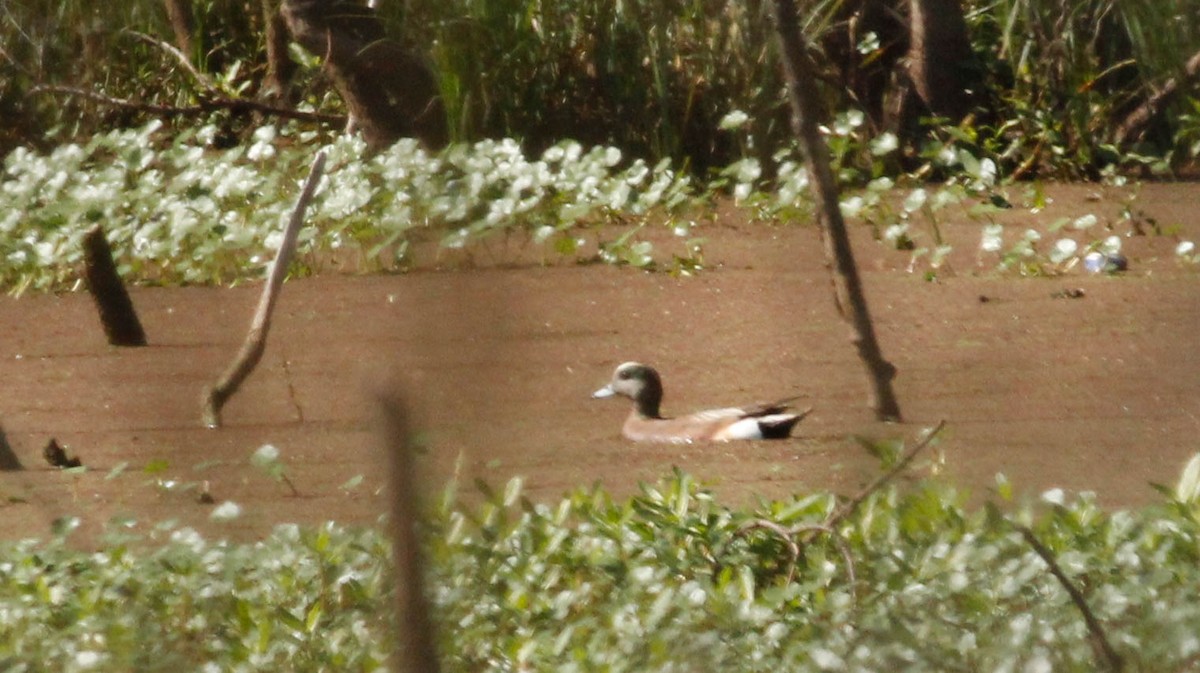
(179, 56)
(809, 532)
(417, 647)
(847, 508)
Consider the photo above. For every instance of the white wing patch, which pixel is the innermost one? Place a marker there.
(747, 428)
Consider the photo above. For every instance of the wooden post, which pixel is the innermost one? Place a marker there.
(256, 340)
(848, 292)
(121, 324)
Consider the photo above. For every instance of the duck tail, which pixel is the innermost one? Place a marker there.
(779, 426)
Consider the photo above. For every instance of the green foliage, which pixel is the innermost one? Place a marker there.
(666, 580)
(652, 77)
(171, 600)
(1062, 77)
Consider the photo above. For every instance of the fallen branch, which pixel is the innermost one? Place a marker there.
(1134, 124)
(205, 106)
(1104, 649)
(256, 340)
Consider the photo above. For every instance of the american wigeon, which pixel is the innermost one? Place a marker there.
(641, 384)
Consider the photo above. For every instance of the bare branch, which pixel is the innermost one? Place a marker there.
(1134, 124)
(179, 56)
(784, 534)
(852, 504)
(205, 106)
(1104, 649)
(847, 284)
(256, 339)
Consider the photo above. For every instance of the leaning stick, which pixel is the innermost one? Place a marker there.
(848, 290)
(256, 339)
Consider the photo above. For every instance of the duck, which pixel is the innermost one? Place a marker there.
(642, 384)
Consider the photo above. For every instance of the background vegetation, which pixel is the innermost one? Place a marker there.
(652, 78)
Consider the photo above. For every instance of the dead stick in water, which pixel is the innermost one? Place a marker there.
(117, 315)
(256, 340)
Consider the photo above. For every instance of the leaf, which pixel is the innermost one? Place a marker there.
(116, 471)
(1188, 489)
(313, 617)
(156, 466)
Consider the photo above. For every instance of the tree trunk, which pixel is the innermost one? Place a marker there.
(848, 291)
(183, 24)
(940, 58)
(277, 85)
(389, 90)
(867, 76)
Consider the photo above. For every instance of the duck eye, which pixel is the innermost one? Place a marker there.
(624, 374)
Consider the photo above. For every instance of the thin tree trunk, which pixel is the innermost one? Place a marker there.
(848, 291)
(183, 24)
(117, 315)
(940, 57)
(277, 85)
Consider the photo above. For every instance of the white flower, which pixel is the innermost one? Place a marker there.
(226, 511)
(1185, 248)
(267, 453)
(992, 238)
(915, 200)
(1054, 496)
(87, 658)
(733, 120)
(884, 144)
(1063, 249)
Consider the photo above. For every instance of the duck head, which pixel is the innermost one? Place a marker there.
(639, 383)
